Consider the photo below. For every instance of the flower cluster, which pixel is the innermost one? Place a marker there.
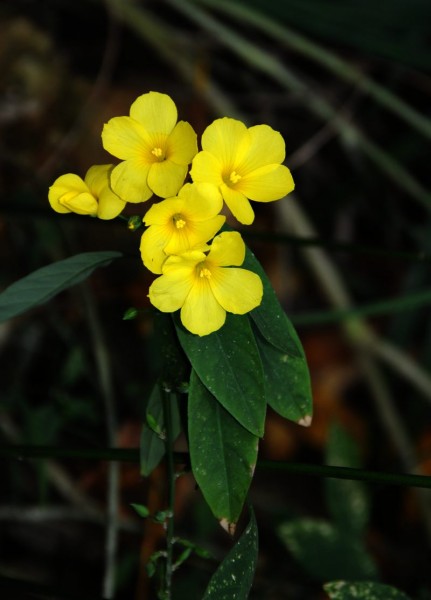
(198, 267)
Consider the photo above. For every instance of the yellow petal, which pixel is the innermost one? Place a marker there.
(169, 291)
(161, 213)
(194, 234)
(186, 261)
(238, 205)
(155, 111)
(201, 200)
(165, 178)
(153, 241)
(267, 183)
(201, 313)
(81, 204)
(55, 205)
(266, 147)
(227, 249)
(110, 205)
(129, 181)
(206, 168)
(97, 178)
(237, 290)
(67, 183)
(227, 139)
(125, 138)
(64, 185)
(181, 145)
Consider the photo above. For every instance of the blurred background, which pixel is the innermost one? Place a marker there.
(348, 84)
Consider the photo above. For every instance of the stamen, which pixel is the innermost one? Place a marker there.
(158, 152)
(234, 177)
(179, 222)
(204, 272)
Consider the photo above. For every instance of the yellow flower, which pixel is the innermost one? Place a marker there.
(244, 163)
(91, 196)
(205, 287)
(155, 150)
(179, 224)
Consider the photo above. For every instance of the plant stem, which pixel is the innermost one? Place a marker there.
(21, 452)
(103, 369)
(167, 417)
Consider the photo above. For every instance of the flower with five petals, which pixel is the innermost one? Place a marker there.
(244, 164)
(206, 286)
(179, 224)
(154, 149)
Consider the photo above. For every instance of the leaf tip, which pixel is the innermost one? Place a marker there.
(305, 421)
(228, 527)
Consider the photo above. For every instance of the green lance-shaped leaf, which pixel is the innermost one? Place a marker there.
(326, 552)
(347, 500)
(223, 454)
(43, 284)
(362, 590)
(152, 447)
(287, 382)
(269, 316)
(228, 364)
(234, 577)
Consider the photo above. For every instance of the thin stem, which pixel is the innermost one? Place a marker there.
(132, 455)
(383, 307)
(169, 441)
(316, 52)
(103, 365)
(89, 108)
(359, 336)
(267, 62)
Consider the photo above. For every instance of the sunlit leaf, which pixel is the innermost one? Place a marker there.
(43, 284)
(234, 577)
(362, 590)
(223, 453)
(228, 363)
(325, 552)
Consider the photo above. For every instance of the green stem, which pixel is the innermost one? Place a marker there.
(268, 63)
(383, 307)
(169, 441)
(132, 455)
(316, 52)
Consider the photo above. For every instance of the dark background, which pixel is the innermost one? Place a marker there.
(65, 69)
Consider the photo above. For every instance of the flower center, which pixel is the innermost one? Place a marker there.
(178, 220)
(204, 272)
(234, 177)
(158, 153)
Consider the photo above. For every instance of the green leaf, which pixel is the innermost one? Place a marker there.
(287, 382)
(130, 314)
(269, 317)
(141, 509)
(228, 364)
(202, 552)
(365, 590)
(346, 499)
(234, 577)
(185, 554)
(325, 552)
(43, 284)
(223, 454)
(152, 447)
